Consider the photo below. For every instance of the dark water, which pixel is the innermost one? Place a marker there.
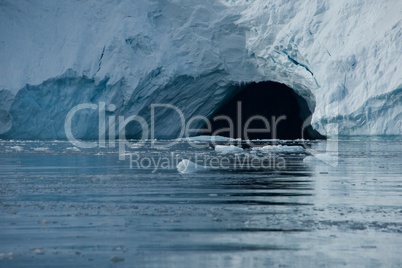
(64, 207)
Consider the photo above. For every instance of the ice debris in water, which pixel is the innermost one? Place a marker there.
(228, 149)
(186, 166)
(280, 148)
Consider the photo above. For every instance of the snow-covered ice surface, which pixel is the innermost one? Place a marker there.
(343, 57)
(78, 208)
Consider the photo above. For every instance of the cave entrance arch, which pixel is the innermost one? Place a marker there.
(285, 111)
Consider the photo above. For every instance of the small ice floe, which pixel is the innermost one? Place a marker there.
(230, 149)
(280, 149)
(160, 148)
(75, 149)
(264, 140)
(40, 149)
(186, 166)
(8, 255)
(16, 148)
(206, 138)
(123, 249)
(37, 251)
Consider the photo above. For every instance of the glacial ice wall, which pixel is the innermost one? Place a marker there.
(343, 57)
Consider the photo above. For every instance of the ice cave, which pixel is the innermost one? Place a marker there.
(264, 110)
(215, 133)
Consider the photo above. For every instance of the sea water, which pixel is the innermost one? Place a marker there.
(337, 204)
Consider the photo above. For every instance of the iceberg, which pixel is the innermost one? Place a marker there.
(343, 58)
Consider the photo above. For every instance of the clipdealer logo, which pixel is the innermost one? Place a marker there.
(112, 129)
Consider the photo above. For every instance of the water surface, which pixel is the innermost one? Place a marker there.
(60, 206)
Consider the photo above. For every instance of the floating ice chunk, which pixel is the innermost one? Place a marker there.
(280, 148)
(9, 255)
(186, 166)
(40, 149)
(38, 251)
(16, 148)
(207, 138)
(231, 149)
(75, 149)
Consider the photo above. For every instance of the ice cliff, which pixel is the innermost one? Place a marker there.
(343, 57)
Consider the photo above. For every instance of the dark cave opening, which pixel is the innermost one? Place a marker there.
(265, 110)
